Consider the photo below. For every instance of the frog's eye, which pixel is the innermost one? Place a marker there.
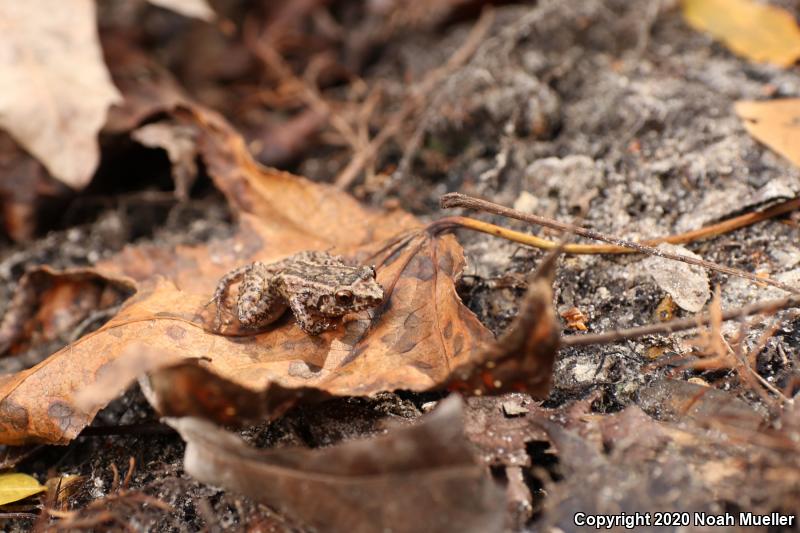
(344, 297)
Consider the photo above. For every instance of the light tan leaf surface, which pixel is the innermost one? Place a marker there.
(756, 30)
(420, 338)
(417, 478)
(198, 9)
(55, 90)
(15, 486)
(775, 123)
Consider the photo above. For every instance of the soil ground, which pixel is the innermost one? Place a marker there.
(614, 109)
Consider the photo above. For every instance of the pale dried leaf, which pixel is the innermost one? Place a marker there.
(198, 9)
(775, 123)
(56, 89)
(179, 143)
(755, 30)
(687, 284)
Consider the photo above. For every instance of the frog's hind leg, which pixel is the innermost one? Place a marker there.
(260, 302)
(221, 292)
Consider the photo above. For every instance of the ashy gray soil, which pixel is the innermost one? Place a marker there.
(612, 113)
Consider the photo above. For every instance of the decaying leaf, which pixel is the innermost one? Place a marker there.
(500, 439)
(687, 284)
(722, 451)
(189, 8)
(755, 30)
(522, 358)
(15, 486)
(420, 338)
(638, 456)
(56, 89)
(421, 477)
(775, 123)
(672, 399)
(48, 304)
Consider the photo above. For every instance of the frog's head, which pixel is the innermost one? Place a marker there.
(355, 292)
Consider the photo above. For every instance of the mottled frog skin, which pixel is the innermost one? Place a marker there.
(318, 287)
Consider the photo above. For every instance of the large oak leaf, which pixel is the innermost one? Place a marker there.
(416, 340)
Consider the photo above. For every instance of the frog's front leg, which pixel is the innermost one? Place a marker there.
(221, 292)
(311, 324)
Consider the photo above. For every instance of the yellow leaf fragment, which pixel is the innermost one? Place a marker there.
(757, 31)
(775, 123)
(15, 486)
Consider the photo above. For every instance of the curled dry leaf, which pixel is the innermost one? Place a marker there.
(420, 338)
(420, 477)
(180, 145)
(56, 89)
(755, 30)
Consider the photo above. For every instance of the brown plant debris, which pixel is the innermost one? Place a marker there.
(420, 338)
(359, 485)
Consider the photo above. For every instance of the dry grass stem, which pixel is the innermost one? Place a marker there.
(451, 200)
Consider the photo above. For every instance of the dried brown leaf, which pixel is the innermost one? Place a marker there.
(56, 89)
(421, 337)
(421, 477)
(500, 439)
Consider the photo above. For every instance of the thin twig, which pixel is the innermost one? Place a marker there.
(768, 306)
(418, 95)
(713, 230)
(461, 200)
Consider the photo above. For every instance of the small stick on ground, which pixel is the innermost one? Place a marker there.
(461, 200)
(768, 306)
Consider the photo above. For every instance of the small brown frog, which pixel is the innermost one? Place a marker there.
(317, 286)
